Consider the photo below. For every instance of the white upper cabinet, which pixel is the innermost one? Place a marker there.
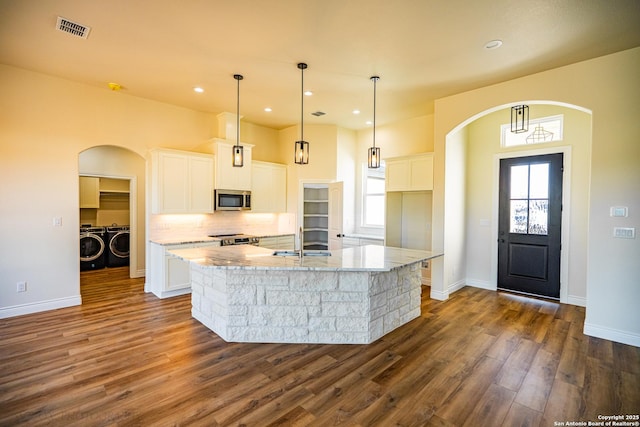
(410, 173)
(268, 187)
(229, 177)
(181, 182)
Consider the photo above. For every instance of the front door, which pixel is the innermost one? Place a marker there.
(530, 215)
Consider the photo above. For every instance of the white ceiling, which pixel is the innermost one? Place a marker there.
(421, 49)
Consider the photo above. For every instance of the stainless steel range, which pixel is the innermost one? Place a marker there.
(236, 239)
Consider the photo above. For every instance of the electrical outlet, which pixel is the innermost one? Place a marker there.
(21, 287)
(624, 232)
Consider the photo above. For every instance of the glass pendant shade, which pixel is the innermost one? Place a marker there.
(520, 118)
(373, 158)
(238, 150)
(302, 152)
(238, 155)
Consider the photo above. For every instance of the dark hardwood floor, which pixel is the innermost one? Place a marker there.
(480, 359)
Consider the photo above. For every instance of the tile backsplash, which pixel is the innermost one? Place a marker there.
(260, 224)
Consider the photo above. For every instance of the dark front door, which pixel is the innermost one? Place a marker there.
(530, 213)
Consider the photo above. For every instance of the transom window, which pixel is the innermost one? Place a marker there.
(545, 129)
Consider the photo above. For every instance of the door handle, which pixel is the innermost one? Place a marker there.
(339, 235)
(500, 240)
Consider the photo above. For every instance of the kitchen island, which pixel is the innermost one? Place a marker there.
(355, 296)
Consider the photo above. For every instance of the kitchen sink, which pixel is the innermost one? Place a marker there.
(305, 253)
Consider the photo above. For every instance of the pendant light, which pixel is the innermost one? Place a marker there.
(373, 157)
(520, 118)
(238, 150)
(301, 151)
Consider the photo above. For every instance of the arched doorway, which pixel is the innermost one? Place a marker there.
(473, 152)
(122, 171)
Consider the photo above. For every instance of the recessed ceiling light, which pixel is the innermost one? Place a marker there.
(356, 111)
(493, 44)
(308, 93)
(368, 122)
(268, 109)
(198, 89)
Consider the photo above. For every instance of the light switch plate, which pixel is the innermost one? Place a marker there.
(619, 211)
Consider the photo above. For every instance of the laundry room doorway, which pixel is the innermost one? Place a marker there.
(111, 204)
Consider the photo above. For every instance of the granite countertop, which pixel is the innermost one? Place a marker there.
(361, 258)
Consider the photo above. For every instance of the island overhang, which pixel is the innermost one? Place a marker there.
(354, 296)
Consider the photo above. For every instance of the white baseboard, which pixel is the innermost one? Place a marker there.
(481, 284)
(574, 300)
(456, 286)
(36, 307)
(616, 335)
(439, 295)
(139, 273)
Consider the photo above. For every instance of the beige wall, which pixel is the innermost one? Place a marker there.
(609, 88)
(45, 123)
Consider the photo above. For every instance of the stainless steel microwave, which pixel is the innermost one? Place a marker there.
(233, 200)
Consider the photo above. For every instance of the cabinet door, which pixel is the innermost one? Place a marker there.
(268, 187)
(178, 273)
(268, 242)
(261, 188)
(279, 189)
(398, 175)
(422, 174)
(89, 192)
(171, 189)
(201, 185)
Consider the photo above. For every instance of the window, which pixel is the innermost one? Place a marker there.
(373, 200)
(529, 199)
(541, 130)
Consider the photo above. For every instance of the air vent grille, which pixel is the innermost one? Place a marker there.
(318, 113)
(72, 28)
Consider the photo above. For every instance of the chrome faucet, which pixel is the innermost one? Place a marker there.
(301, 237)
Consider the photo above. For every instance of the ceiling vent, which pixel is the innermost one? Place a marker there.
(318, 113)
(72, 28)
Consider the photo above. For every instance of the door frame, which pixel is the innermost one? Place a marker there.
(566, 210)
(133, 218)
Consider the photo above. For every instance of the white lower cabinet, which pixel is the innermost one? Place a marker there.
(285, 241)
(170, 276)
(352, 242)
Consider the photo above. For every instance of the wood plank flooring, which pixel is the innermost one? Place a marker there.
(480, 359)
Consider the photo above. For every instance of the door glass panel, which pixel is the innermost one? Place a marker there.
(519, 182)
(538, 216)
(539, 182)
(519, 216)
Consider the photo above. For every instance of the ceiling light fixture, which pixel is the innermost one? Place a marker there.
(373, 156)
(238, 150)
(198, 89)
(301, 151)
(520, 118)
(493, 44)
